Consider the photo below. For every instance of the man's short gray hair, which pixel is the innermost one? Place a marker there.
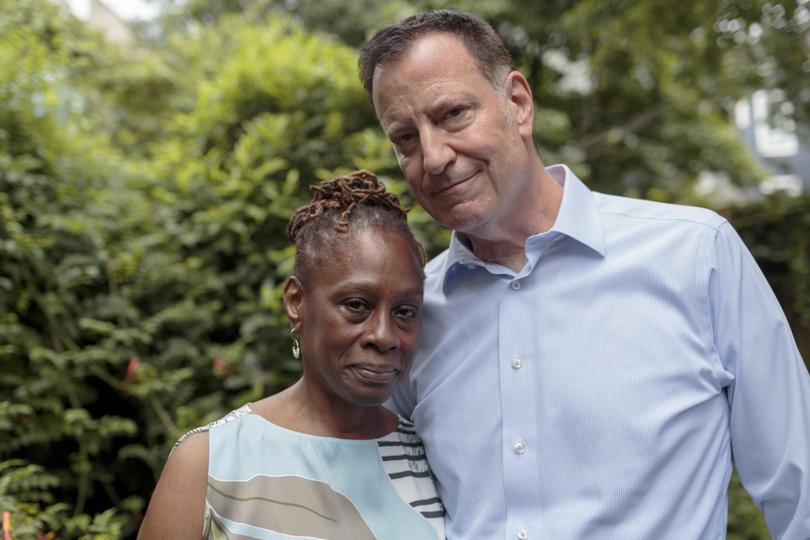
(482, 42)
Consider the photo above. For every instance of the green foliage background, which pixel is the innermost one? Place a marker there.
(145, 193)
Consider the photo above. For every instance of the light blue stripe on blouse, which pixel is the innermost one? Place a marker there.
(351, 467)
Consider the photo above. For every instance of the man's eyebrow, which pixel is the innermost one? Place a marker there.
(395, 128)
(395, 124)
(442, 103)
(448, 102)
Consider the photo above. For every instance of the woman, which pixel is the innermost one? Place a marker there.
(324, 458)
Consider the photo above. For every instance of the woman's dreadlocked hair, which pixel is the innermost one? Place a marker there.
(355, 201)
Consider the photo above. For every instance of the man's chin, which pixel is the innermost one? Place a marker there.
(468, 226)
(461, 217)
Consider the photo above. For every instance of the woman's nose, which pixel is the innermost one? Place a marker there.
(381, 333)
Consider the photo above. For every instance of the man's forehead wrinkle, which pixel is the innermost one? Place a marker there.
(425, 102)
(426, 57)
(415, 78)
(417, 86)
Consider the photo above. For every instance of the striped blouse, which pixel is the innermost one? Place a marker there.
(268, 482)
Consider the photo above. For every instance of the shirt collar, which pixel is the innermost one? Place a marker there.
(578, 218)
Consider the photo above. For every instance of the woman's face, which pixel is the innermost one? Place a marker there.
(358, 317)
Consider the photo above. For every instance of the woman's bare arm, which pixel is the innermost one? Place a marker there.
(178, 502)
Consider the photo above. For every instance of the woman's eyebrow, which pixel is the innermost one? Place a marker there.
(368, 286)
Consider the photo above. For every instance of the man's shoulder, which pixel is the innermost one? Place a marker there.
(435, 268)
(646, 210)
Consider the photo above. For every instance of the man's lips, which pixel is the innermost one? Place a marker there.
(373, 373)
(454, 184)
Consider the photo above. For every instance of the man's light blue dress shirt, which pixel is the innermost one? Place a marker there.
(602, 391)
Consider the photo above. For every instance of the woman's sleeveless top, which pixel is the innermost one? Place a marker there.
(268, 482)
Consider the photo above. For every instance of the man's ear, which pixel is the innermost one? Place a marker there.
(519, 94)
(294, 301)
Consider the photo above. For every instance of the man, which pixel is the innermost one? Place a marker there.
(590, 363)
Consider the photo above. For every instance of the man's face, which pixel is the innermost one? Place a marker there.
(460, 142)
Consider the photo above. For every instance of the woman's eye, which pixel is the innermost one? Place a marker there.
(355, 305)
(408, 312)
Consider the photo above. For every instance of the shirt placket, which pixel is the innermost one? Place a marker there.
(520, 446)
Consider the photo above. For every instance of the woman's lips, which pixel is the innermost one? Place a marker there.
(374, 374)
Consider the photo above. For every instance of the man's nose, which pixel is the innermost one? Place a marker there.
(437, 152)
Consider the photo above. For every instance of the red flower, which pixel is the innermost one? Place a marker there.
(221, 367)
(132, 368)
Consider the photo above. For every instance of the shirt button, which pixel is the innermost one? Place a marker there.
(516, 285)
(523, 534)
(519, 447)
(517, 363)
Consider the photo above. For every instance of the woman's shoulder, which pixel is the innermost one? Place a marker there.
(190, 453)
(178, 502)
(189, 456)
(230, 417)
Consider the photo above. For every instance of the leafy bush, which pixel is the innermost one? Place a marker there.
(139, 284)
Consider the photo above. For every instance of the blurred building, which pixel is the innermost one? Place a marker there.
(99, 17)
(765, 124)
(103, 20)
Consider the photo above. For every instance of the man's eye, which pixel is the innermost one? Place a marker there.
(403, 139)
(454, 113)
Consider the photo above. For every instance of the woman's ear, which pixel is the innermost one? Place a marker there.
(294, 301)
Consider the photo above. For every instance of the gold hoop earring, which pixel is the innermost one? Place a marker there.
(296, 346)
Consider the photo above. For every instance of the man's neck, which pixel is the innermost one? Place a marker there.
(507, 254)
(537, 214)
